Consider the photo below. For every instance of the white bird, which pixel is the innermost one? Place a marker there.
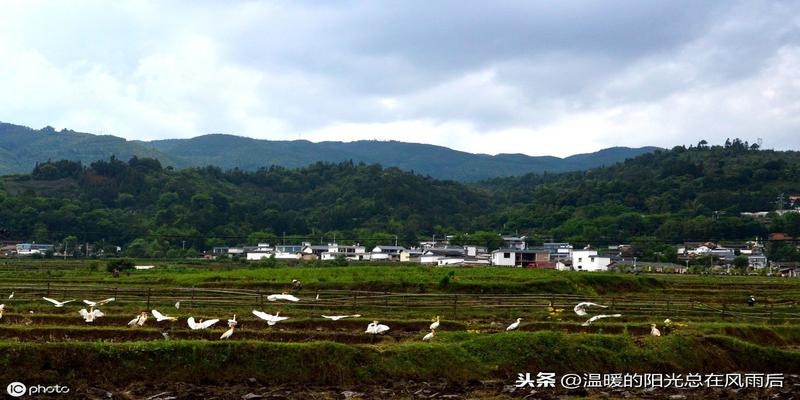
(375, 328)
(654, 331)
(338, 317)
(228, 333)
(282, 296)
(58, 303)
(89, 316)
(515, 325)
(580, 308)
(317, 298)
(11, 296)
(271, 319)
(434, 326)
(161, 317)
(200, 325)
(165, 335)
(99, 303)
(596, 317)
(139, 320)
(232, 324)
(2, 307)
(428, 336)
(177, 305)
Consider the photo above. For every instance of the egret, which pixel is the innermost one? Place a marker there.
(271, 319)
(429, 336)
(654, 331)
(89, 316)
(580, 308)
(232, 324)
(375, 328)
(515, 325)
(282, 296)
(338, 317)
(139, 320)
(596, 317)
(434, 326)
(161, 317)
(57, 303)
(200, 325)
(2, 307)
(99, 303)
(317, 298)
(11, 296)
(177, 305)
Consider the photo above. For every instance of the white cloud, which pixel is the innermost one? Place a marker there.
(530, 77)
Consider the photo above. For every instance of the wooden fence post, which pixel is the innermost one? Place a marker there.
(724, 308)
(48, 288)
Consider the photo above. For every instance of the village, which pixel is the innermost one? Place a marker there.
(516, 251)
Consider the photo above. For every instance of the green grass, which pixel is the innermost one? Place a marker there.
(323, 363)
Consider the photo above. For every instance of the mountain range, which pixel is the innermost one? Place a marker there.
(22, 147)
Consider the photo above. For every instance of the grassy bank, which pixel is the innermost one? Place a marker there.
(324, 363)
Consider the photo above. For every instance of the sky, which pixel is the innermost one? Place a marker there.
(534, 77)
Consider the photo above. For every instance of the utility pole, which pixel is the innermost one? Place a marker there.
(395, 240)
(183, 245)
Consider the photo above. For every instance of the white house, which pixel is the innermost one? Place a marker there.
(263, 250)
(757, 261)
(26, 249)
(383, 252)
(588, 260)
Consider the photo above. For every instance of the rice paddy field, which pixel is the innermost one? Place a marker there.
(472, 355)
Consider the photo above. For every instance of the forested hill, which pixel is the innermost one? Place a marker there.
(683, 194)
(21, 148)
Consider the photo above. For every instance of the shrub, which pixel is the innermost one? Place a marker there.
(119, 264)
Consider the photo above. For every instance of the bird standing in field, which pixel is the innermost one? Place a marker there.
(200, 325)
(282, 296)
(161, 317)
(139, 320)
(2, 307)
(654, 331)
(271, 319)
(514, 325)
(580, 308)
(375, 328)
(429, 336)
(91, 315)
(232, 325)
(338, 317)
(57, 303)
(177, 305)
(99, 303)
(596, 317)
(434, 326)
(11, 296)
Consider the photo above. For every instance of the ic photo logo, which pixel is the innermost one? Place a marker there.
(19, 389)
(16, 389)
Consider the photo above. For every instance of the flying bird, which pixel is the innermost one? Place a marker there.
(161, 317)
(89, 316)
(580, 308)
(596, 317)
(99, 303)
(139, 320)
(429, 336)
(434, 326)
(338, 317)
(200, 325)
(271, 319)
(57, 303)
(514, 325)
(654, 331)
(375, 328)
(282, 296)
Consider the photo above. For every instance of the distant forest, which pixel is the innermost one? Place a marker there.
(693, 193)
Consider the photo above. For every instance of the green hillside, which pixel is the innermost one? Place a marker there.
(21, 148)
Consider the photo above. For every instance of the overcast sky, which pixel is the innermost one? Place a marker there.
(535, 77)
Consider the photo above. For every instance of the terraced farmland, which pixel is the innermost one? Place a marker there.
(471, 354)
